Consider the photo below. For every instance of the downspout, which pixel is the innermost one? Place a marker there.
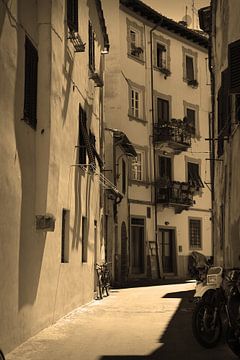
(211, 66)
(154, 151)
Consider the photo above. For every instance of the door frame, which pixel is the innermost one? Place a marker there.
(131, 273)
(174, 249)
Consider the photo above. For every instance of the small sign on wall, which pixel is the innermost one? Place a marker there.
(45, 222)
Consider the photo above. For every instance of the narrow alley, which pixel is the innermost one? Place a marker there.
(151, 322)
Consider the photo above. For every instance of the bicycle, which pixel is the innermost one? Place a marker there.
(103, 276)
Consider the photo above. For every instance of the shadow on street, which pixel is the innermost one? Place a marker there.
(177, 342)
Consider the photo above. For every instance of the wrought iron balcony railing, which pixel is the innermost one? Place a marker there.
(174, 193)
(175, 133)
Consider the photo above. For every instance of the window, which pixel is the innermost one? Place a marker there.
(86, 141)
(165, 168)
(161, 56)
(135, 40)
(233, 61)
(84, 240)
(123, 177)
(162, 111)
(30, 88)
(91, 46)
(194, 176)
(191, 117)
(82, 157)
(137, 245)
(137, 167)
(195, 235)
(65, 236)
(72, 15)
(224, 113)
(189, 68)
(135, 106)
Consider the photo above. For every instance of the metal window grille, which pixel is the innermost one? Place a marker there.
(195, 234)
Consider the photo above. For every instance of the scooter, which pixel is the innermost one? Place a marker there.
(217, 299)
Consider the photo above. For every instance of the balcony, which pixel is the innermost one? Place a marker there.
(174, 194)
(174, 134)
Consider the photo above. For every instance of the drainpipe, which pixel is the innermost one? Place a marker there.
(154, 150)
(211, 66)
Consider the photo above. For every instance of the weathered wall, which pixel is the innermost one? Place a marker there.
(39, 175)
(226, 29)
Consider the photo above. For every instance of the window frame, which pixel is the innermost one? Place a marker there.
(138, 167)
(133, 87)
(138, 31)
(196, 179)
(164, 42)
(200, 222)
(65, 236)
(165, 97)
(84, 240)
(195, 108)
(194, 55)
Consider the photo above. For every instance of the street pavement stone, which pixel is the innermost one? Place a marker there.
(138, 323)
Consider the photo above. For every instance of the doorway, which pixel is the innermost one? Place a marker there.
(167, 249)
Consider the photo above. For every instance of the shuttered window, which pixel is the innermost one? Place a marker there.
(85, 145)
(194, 176)
(161, 56)
(234, 66)
(224, 118)
(162, 111)
(91, 46)
(30, 88)
(191, 116)
(72, 15)
(165, 168)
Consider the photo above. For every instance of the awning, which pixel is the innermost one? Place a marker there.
(123, 141)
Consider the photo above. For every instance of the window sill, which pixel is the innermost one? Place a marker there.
(164, 71)
(136, 58)
(133, 118)
(139, 182)
(191, 83)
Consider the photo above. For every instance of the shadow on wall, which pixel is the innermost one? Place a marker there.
(3, 12)
(177, 341)
(31, 244)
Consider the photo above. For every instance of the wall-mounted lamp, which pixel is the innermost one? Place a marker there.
(166, 223)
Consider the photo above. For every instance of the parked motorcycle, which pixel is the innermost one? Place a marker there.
(217, 308)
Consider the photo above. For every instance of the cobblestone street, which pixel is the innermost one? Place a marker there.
(134, 323)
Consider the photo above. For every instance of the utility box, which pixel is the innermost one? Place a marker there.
(45, 222)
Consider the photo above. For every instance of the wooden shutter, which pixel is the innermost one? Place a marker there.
(234, 66)
(165, 167)
(162, 110)
(91, 46)
(72, 15)
(192, 123)
(30, 89)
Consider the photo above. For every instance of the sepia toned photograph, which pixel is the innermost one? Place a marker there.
(120, 179)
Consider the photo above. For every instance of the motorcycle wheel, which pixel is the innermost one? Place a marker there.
(233, 340)
(205, 331)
